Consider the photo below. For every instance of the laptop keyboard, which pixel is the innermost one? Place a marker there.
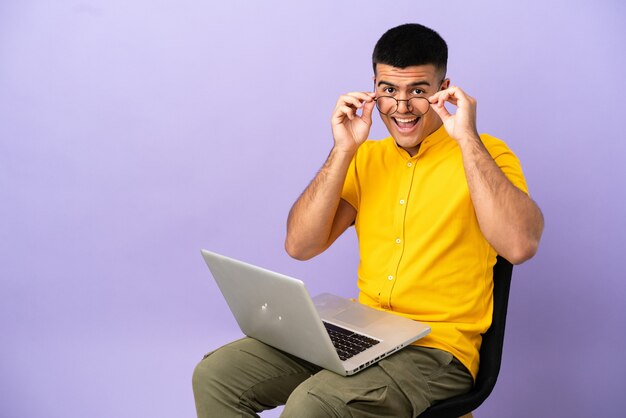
(347, 343)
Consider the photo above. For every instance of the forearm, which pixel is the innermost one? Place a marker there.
(313, 216)
(509, 219)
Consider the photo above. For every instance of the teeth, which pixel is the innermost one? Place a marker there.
(405, 120)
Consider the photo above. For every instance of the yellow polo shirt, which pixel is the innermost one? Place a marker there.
(422, 253)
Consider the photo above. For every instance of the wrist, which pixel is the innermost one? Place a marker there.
(468, 138)
(344, 151)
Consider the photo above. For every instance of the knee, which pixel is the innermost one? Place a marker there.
(305, 403)
(201, 373)
(210, 372)
(212, 390)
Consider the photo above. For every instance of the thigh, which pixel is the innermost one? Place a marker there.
(403, 385)
(245, 377)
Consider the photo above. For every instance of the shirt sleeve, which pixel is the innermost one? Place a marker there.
(506, 160)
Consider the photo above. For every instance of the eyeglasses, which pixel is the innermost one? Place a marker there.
(388, 105)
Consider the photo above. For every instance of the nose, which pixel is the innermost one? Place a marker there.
(403, 106)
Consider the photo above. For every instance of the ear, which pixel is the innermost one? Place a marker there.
(445, 84)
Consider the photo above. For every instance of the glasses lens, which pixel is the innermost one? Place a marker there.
(386, 105)
(416, 105)
(419, 105)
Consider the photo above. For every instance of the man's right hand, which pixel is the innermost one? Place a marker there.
(350, 130)
(320, 215)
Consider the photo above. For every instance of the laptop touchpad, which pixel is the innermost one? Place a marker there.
(358, 316)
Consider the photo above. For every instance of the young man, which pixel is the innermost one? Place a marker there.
(432, 206)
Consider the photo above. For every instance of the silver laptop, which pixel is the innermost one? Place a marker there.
(329, 331)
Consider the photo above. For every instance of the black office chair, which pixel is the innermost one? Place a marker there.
(490, 352)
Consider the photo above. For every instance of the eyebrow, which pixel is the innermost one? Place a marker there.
(414, 84)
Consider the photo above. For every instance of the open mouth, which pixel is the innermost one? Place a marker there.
(407, 123)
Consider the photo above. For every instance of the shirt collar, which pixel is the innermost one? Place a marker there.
(432, 139)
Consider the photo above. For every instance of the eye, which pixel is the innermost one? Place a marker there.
(389, 90)
(417, 92)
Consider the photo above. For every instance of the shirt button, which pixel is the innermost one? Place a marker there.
(390, 278)
(409, 164)
(402, 201)
(398, 240)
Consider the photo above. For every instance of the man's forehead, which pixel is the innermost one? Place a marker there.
(407, 75)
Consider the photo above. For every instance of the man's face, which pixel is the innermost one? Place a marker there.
(406, 128)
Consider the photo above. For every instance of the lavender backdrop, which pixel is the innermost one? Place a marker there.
(132, 134)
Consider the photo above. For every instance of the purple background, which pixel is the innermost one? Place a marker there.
(132, 134)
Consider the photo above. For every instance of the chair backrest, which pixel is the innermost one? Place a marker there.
(490, 352)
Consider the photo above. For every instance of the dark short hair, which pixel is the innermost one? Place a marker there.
(411, 44)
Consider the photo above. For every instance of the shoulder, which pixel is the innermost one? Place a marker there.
(506, 160)
(375, 153)
(373, 147)
(495, 146)
(377, 144)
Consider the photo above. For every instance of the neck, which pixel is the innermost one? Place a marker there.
(412, 151)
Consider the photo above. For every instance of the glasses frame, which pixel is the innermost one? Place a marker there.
(398, 105)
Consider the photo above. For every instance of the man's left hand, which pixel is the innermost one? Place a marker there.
(462, 124)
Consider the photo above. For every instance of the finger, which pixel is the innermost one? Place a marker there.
(348, 111)
(362, 95)
(446, 97)
(462, 98)
(355, 98)
(442, 98)
(457, 91)
(348, 104)
(437, 98)
(368, 108)
(457, 94)
(450, 99)
(341, 113)
(441, 110)
(350, 101)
